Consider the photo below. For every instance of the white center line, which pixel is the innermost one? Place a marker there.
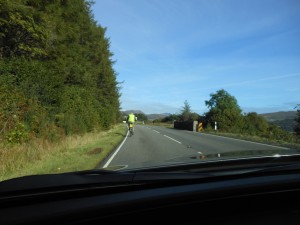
(156, 131)
(172, 139)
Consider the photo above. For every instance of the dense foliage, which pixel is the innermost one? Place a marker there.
(187, 114)
(225, 111)
(56, 71)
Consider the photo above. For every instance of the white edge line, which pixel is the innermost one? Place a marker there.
(246, 141)
(116, 152)
(172, 139)
(156, 131)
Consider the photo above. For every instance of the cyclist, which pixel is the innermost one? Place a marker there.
(130, 119)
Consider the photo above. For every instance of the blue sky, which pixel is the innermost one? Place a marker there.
(169, 51)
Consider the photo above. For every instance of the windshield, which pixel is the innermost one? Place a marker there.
(119, 85)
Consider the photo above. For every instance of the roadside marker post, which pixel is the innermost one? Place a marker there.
(200, 127)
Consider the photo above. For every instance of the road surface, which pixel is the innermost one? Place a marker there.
(154, 145)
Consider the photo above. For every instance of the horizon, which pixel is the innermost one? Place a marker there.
(200, 114)
(166, 52)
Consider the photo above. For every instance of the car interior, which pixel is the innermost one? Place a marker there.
(269, 196)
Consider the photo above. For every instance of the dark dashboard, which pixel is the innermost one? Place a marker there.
(267, 196)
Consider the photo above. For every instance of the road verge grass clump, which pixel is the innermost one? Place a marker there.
(72, 153)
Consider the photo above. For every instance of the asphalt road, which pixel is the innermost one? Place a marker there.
(154, 145)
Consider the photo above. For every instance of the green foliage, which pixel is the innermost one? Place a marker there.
(186, 111)
(22, 30)
(56, 72)
(12, 107)
(227, 113)
(255, 124)
(187, 114)
(297, 126)
(18, 134)
(224, 109)
(171, 118)
(141, 117)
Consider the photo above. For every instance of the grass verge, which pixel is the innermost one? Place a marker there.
(169, 125)
(73, 153)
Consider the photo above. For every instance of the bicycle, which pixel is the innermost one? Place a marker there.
(131, 131)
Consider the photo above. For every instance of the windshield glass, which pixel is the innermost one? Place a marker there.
(120, 85)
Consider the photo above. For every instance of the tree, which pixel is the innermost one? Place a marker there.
(187, 114)
(56, 69)
(255, 124)
(224, 109)
(22, 30)
(297, 119)
(186, 111)
(170, 118)
(141, 117)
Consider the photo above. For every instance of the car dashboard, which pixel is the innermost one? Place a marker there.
(268, 197)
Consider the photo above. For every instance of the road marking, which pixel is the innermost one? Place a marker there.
(118, 149)
(247, 141)
(156, 131)
(172, 139)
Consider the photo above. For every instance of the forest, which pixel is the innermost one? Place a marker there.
(56, 71)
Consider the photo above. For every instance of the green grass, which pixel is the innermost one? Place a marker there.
(169, 125)
(73, 153)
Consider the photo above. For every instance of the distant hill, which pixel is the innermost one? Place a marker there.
(280, 115)
(151, 116)
(126, 112)
(157, 116)
(286, 120)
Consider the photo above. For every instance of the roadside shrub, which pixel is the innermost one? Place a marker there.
(18, 134)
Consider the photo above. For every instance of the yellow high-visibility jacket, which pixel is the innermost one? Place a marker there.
(131, 118)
